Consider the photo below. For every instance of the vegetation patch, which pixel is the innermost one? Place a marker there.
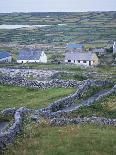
(73, 140)
(31, 98)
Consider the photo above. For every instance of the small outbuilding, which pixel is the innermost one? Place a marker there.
(5, 57)
(31, 56)
(99, 51)
(75, 48)
(82, 58)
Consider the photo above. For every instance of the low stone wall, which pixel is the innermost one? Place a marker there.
(8, 136)
(18, 81)
(95, 120)
(69, 101)
(8, 111)
(85, 103)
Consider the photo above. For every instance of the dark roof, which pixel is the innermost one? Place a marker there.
(4, 54)
(29, 54)
(79, 56)
(75, 46)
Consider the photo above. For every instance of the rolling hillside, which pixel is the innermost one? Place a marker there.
(95, 29)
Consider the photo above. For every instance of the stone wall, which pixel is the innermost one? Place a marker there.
(19, 81)
(8, 136)
(86, 103)
(95, 120)
(57, 106)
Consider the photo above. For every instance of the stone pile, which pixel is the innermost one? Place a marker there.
(35, 73)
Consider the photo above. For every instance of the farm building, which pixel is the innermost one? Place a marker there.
(5, 57)
(31, 56)
(75, 48)
(114, 47)
(82, 58)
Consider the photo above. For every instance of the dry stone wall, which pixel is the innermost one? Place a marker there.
(8, 136)
(56, 107)
(95, 120)
(18, 81)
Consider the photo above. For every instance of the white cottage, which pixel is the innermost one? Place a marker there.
(114, 47)
(31, 56)
(82, 58)
(5, 57)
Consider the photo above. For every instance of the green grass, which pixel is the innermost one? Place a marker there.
(31, 98)
(70, 140)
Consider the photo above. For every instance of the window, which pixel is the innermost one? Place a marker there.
(78, 61)
(69, 60)
(84, 61)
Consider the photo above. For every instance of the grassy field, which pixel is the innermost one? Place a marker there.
(70, 140)
(30, 98)
(43, 139)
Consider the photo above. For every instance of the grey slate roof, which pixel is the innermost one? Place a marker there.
(29, 54)
(79, 56)
(4, 54)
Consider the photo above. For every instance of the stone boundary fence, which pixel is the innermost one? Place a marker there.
(85, 120)
(86, 103)
(8, 136)
(69, 101)
(19, 81)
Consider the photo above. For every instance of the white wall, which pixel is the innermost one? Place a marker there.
(81, 62)
(114, 50)
(43, 58)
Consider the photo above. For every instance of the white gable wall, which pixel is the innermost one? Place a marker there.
(43, 58)
(114, 48)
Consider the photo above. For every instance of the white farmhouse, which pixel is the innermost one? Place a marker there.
(5, 57)
(82, 58)
(31, 56)
(114, 47)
